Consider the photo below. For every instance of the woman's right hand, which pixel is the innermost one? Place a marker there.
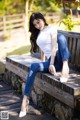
(52, 69)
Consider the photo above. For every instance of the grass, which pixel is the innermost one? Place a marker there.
(20, 51)
(23, 50)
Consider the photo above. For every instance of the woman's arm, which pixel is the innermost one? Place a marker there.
(53, 54)
(42, 56)
(54, 49)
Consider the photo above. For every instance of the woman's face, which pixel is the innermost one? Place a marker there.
(39, 24)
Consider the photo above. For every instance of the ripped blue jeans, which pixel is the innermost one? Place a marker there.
(61, 55)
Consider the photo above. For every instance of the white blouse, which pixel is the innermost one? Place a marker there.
(44, 40)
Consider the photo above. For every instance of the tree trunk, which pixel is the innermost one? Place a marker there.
(71, 12)
(63, 8)
(26, 17)
(31, 4)
(77, 14)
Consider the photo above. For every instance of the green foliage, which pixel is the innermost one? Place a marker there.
(8, 7)
(53, 7)
(44, 6)
(68, 22)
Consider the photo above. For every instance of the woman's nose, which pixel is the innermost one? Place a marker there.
(37, 26)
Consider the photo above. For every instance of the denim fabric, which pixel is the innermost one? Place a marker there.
(61, 55)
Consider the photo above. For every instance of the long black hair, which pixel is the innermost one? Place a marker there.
(34, 31)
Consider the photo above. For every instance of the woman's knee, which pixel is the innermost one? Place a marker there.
(34, 67)
(61, 39)
(37, 67)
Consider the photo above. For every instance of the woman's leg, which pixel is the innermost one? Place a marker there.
(63, 48)
(25, 103)
(63, 55)
(34, 69)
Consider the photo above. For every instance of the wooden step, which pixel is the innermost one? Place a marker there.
(10, 102)
(4, 87)
(9, 107)
(6, 92)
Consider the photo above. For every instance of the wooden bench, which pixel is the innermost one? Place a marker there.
(67, 93)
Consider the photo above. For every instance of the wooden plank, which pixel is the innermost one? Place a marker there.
(72, 86)
(17, 70)
(7, 88)
(77, 56)
(70, 34)
(20, 64)
(55, 92)
(10, 101)
(70, 47)
(9, 17)
(15, 25)
(6, 92)
(12, 106)
(74, 41)
(70, 44)
(14, 97)
(24, 60)
(15, 21)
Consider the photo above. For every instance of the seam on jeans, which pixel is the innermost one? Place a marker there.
(41, 66)
(31, 72)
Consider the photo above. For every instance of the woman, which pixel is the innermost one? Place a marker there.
(53, 47)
